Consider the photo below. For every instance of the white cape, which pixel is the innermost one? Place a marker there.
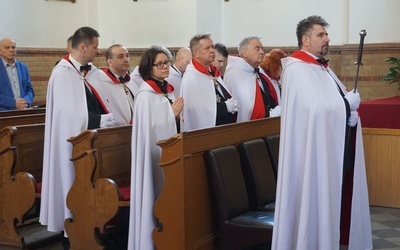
(135, 76)
(241, 82)
(308, 203)
(115, 98)
(66, 116)
(175, 79)
(198, 93)
(153, 121)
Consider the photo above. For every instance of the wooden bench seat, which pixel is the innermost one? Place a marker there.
(21, 120)
(19, 112)
(21, 163)
(185, 207)
(102, 162)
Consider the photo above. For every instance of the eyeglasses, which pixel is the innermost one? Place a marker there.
(161, 65)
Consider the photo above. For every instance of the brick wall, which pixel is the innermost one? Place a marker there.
(41, 61)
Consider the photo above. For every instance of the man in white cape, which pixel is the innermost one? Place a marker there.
(208, 103)
(316, 112)
(256, 95)
(117, 89)
(69, 112)
(176, 71)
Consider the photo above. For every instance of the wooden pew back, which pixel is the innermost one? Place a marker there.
(28, 141)
(102, 162)
(21, 120)
(21, 153)
(185, 203)
(19, 112)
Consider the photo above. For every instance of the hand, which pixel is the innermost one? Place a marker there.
(107, 120)
(353, 119)
(353, 99)
(232, 105)
(177, 106)
(21, 103)
(275, 111)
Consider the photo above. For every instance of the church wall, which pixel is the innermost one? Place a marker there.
(41, 28)
(142, 23)
(342, 57)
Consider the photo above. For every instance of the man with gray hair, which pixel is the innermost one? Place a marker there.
(208, 103)
(16, 91)
(254, 91)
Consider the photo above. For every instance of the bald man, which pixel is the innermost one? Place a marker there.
(16, 91)
(182, 59)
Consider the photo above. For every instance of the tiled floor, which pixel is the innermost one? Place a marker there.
(385, 227)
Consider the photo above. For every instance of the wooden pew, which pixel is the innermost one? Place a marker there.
(19, 112)
(21, 120)
(102, 162)
(21, 162)
(185, 206)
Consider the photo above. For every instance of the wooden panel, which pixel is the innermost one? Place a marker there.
(21, 120)
(102, 161)
(382, 149)
(29, 143)
(185, 207)
(17, 185)
(22, 112)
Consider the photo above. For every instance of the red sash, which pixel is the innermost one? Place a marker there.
(66, 57)
(272, 91)
(155, 87)
(112, 76)
(204, 70)
(259, 108)
(301, 55)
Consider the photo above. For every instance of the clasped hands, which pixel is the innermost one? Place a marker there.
(21, 103)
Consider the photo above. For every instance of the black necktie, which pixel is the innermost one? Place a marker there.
(323, 61)
(86, 67)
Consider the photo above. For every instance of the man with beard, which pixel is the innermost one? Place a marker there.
(315, 161)
(207, 100)
(254, 91)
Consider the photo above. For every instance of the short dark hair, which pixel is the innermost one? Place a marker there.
(109, 54)
(194, 42)
(221, 49)
(84, 35)
(304, 27)
(147, 61)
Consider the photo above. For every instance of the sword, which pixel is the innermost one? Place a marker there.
(363, 33)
